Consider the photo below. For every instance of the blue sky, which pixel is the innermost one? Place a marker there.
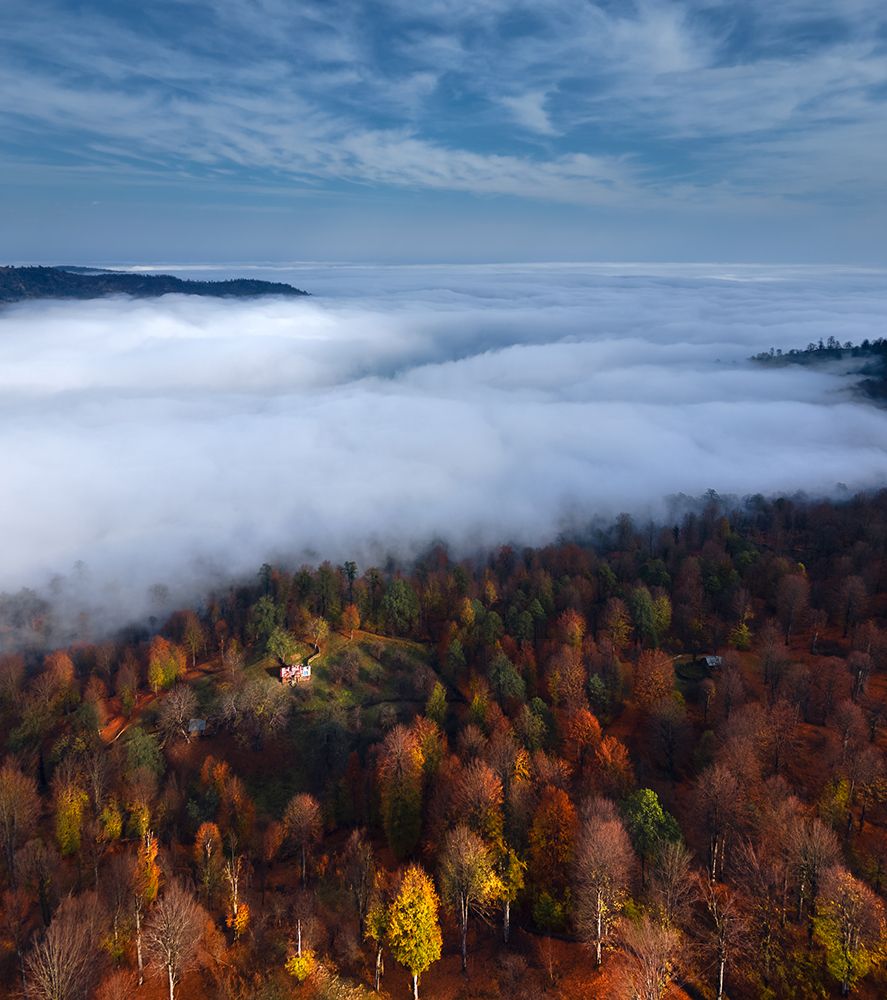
(183, 130)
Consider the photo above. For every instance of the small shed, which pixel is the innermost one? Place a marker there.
(196, 727)
(712, 661)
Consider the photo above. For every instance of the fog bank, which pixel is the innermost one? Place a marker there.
(184, 440)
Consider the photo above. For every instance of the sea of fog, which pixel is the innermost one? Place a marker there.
(184, 440)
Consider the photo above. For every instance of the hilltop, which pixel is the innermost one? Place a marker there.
(867, 360)
(18, 284)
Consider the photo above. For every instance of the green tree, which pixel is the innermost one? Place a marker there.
(70, 803)
(850, 926)
(506, 681)
(643, 616)
(649, 825)
(350, 570)
(511, 871)
(661, 616)
(264, 617)
(455, 662)
(436, 707)
(377, 932)
(143, 751)
(400, 607)
(413, 929)
(281, 644)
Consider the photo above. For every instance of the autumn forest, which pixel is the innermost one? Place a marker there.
(646, 762)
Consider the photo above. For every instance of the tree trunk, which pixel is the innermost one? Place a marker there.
(506, 920)
(464, 928)
(597, 950)
(721, 963)
(141, 967)
(9, 837)
(379, 967)
(299, 937)
(172, 984)
(415, 987)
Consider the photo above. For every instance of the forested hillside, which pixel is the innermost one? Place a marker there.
(20, 283)
(648, 764)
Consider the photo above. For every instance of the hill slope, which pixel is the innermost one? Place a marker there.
(20, 283)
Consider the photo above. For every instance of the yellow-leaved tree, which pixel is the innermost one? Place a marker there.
(414, 937)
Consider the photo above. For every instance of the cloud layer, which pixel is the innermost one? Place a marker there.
(182, 439)
(746, 114)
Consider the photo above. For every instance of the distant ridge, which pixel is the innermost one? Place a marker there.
(18, 284)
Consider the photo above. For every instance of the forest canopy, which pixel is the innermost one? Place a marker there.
(647, 765)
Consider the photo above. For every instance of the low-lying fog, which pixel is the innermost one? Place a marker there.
(177, 439)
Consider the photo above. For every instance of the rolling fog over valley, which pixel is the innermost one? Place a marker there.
(186, 441)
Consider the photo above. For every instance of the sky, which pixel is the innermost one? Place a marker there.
(185, 440)
(495, 130)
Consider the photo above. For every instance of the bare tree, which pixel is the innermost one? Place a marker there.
(604, 860)
(721, 927)
(763, 875)
(651, 949)
(177, 708)
(15, 906)
(716, 796)
(303, 823)
(852, 599)
(849, 723)
(35, 866)
(792, 598)
(731, 687)
(865, 772)
(193, 636)
(62, 965)
(121, 984)
(468, 880)
(19, 809)
(359, 873)
(707, 692)
(116, 890)
(860, 666)
(235, 870)
(781, 732)
(478, 798)
(774, 657)
(671, 884)
(173, 932)
(669, 731)
(813, 848)
(256, 708)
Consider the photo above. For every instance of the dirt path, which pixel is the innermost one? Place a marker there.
(118, 723)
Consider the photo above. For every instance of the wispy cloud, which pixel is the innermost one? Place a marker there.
(591, 103)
